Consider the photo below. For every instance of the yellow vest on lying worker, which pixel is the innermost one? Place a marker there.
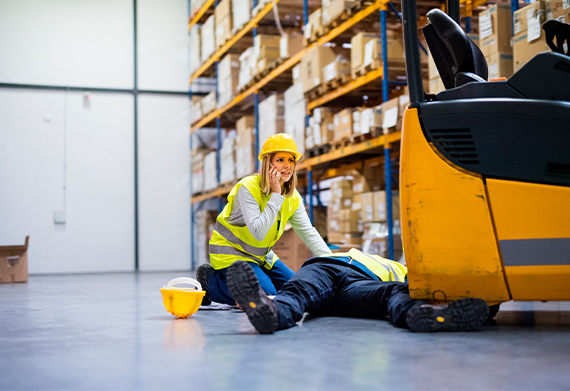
(231, 243)
(384, 269)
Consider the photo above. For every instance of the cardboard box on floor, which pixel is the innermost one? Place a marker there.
(291, 250)
(14, 263)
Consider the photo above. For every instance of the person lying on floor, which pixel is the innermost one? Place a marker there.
(352, 284)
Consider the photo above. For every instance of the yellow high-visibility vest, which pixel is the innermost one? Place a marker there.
(384, 269)
(230, 243)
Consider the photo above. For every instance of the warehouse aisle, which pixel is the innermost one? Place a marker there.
(111, 332)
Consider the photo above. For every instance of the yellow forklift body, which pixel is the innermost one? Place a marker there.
(532, 221)
(449, 241)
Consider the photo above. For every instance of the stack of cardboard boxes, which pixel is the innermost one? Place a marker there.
(313, 64)
(272, 117)
(529, 37)
(321, 127)
(205, 220)
(195, 52)
(210, 167)
(197, 156)
(228, 159)
(208, 39)
(241, 12)
(342, 220)
(314, 27)
(495, 32)
(247, 68)
(224, 22)
(245, 146)
(331, 9)
(295, 110)
(266, 49)
(374, 216)
(228, 79)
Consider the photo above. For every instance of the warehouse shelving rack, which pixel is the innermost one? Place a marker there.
(330, 164)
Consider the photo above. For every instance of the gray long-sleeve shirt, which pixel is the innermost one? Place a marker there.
(246, 212)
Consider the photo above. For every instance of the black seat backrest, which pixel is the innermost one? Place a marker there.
(453, 52)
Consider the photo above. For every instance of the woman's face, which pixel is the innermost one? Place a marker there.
(284, 163)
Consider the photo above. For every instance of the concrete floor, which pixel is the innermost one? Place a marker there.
(111, 332)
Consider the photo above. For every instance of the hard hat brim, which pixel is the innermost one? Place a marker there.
(296, 154)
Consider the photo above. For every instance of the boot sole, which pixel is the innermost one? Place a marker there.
(460, 315)
(202, 277)
(244, 288)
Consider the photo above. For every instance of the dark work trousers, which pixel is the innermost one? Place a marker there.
(328, 288)
(270, 280)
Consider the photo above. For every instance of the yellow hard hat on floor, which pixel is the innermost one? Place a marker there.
(280, 142)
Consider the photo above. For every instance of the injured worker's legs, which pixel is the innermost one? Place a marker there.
(330, 289)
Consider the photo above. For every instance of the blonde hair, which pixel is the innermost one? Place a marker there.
(288, 187)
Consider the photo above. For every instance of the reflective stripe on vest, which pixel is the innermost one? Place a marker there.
(230, 243)
(385, 269)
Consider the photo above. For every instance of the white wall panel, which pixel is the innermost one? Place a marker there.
(163, 45)
(40, 131)
(164, 182)
(67, 42)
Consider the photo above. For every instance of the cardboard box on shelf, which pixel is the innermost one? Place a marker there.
(295, 110)
(374, 177)
(271, 117)
(223, 31)
(495, 29)
(390, 115)
(500, 65)
(244, 123)
(228, 79)
(210, 165)
(324, 120)
(205, 220)
(245, 148)
(197, 167)
(241, 13)
(247, 67)
(312, 65)
(380, 205)
(209, 103)
(223, 9)
(266, 46)
(208, 39)
(14, 263)
(195, 45)
(340, 66)
(343, 124)
(357, 50)
(371, 118)
(314, 26)
(350, 239)
(228, 160)
(333, 8)
(367, 201)
(290, 44)
(291, 250)
(296, 71)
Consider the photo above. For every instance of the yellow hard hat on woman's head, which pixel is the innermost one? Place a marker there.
(280, 142)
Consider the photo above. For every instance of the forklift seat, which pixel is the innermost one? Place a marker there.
(457, 58)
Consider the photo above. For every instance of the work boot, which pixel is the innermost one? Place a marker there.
(459, 315)
(244, 288)
(202, 277)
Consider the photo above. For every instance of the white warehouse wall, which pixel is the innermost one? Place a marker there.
(164, 182)
(67, 42)
(86, 44)
(162, 48)
(49, 139)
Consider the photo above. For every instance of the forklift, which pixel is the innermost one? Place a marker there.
(485, 170)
